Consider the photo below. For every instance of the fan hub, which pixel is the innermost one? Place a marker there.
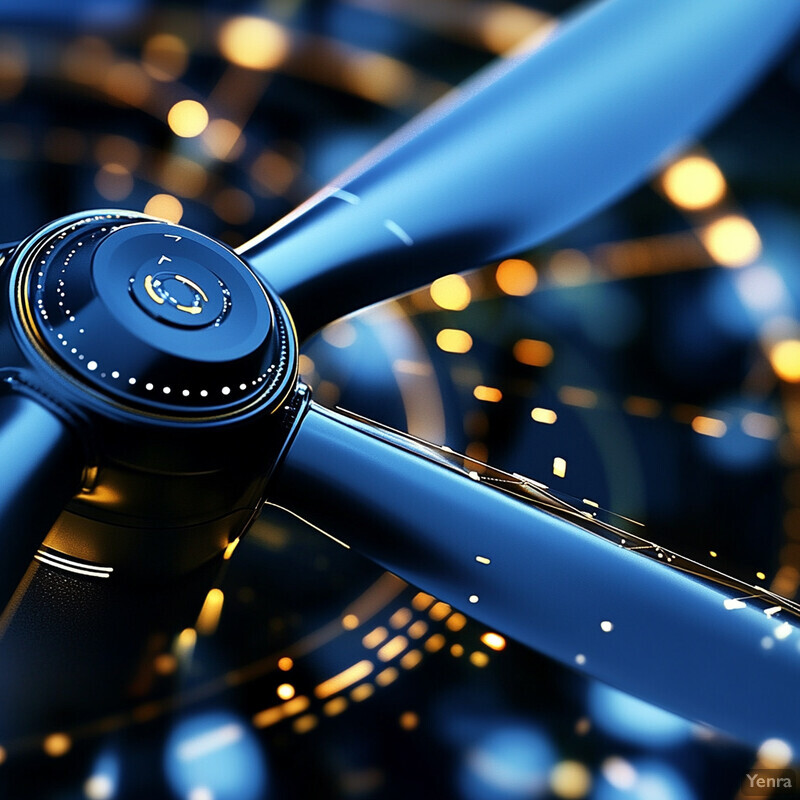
(179, 366)
(156, 316)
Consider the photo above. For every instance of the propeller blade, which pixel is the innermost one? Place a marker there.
(40, 469)
(521, 152)
(503, 549)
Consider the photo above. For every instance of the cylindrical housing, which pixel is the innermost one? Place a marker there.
(40, 469)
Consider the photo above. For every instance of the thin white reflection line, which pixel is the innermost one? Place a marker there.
(348, 197)
(45, 560)
(310, 524)
(394, 228)
(74, 563)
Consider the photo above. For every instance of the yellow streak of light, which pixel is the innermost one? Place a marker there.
(305, 724)
(269, 716)
(379, 78)
(208, 618)
(516, 277)
(479, 658)
(393, 648)
(165, 56)
(435, 643)
(694, 183)
(3, 755)
(184, 643)
(533, 352)
(732, 241)
(362, 692)
(506, 25)
(785, 359)
(559, 467)
(335, 706)
(418, 629)
(285, 691)
(570, 780)
(439, 611)
(544, 415)
(641, 406)
(709, 426)
(575, 396)
(57, 744)
(411, 659)
(489, 394)
(187, 118)
(400, 617)
(761, 576)
(164, 206)
(344, 679)
(452, 340)
(494, 640)
(374, 637)
(456, 622)
(389, 675)
(422, 600)
(350, 622)
(230, 548)
(457, 651)
(253, 42)
(451, 292)
(285, 664)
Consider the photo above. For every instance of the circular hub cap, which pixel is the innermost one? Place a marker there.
(152, 313)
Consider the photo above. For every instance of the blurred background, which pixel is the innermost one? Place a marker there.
(646, 362)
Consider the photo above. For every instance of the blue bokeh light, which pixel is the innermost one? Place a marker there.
(216, 752)
(103, 782)
(509, 761)
(632, 720)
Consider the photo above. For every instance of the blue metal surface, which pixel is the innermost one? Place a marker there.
(520, 152)
(687, 638)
